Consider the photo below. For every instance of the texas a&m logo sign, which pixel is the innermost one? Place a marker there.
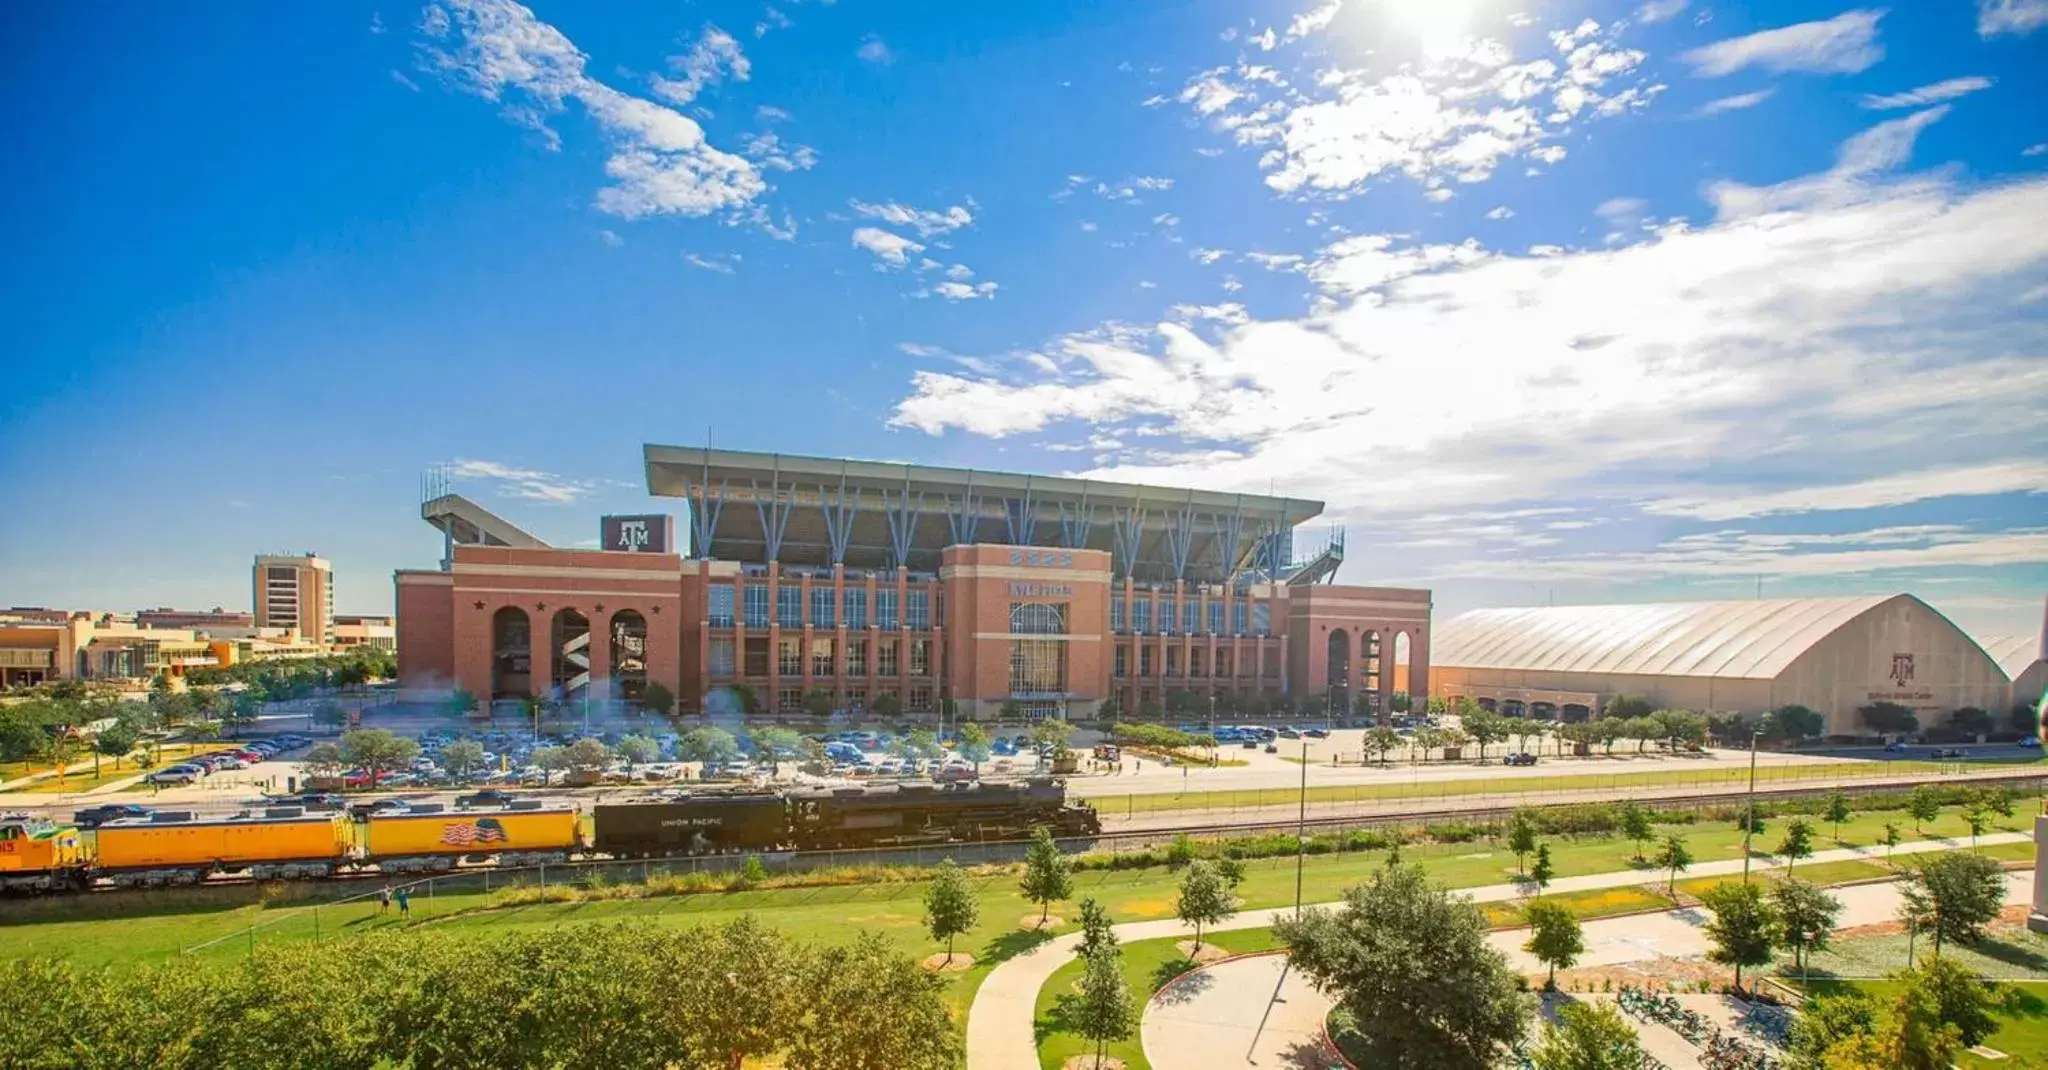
(1902, 670)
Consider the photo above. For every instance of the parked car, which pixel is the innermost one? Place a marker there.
(94, 817)
(1316, 733)
(1897, 746)
(1290, 733)
(2032, 742)
(172, 776)
(317, 800)
(486, 797)
(1951, 752)
(1519, 758)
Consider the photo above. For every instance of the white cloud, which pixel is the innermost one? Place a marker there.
(893, 250)
(2011, 16)
(771, 19)
(1659, 10)
(715, 57)
(1453, 119)
(927, 222)
(960, 291)
(2003, 477)
(660, 162)
(1844, 44)
(610, 239)
(1744, 554)
(1928, 94)
(1869, 326)
(399, 77)
(769, 113)
(526, 483)
(1315, 20)
(2035, 150)
(1737, 102)
(724, 265)
(874, 50)
(1208, 256)
(1275, 261)
(767, 150)
(1862, 160)
(1501, 212)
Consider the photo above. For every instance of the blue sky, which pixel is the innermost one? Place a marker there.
(1548, 301)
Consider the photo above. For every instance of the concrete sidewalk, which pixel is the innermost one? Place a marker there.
(999, 1023)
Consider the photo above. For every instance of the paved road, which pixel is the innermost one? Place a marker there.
(999, 1024)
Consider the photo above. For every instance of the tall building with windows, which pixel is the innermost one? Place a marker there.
(905, 586)
(295, 591)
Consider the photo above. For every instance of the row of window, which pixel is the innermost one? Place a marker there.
(822, 655)
(1187, 618)
(850, 611)
(1195, 662)
(917, 700)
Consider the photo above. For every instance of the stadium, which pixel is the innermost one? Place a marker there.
(905, 587)
(1832, 655)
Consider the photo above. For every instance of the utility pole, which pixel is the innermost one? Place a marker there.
(1749, 808)
(1301, 830)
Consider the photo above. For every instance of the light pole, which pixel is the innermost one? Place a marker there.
(1301, 830)
(1749, 808)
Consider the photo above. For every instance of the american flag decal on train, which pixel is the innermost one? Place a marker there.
(481, 831)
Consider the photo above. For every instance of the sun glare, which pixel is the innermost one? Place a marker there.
(1439, 28)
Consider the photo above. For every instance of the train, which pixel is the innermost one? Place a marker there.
(168, 848)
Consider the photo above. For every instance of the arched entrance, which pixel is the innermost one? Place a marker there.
(1338, 678)
(511, 654)
(1513, 708)
(1575, 713)
(629, 655)
(1369, 653)
(570, 650)
(1401, 647)
(1543, 711)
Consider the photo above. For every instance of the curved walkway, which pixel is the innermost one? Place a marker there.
(1250, 1010)
(999, 1023)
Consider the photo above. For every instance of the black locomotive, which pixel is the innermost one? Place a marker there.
(717, 821)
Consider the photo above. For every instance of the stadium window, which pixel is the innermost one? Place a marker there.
(1144, 660)
(1190, 617)
(1116, 614)
(1215, 616)
(856, 603)
(1237, 618)
(1262, 619)
(921, 697)
(757, 605)
(916, 616)
(821, 607)
(789, 656)
(1223, 663)
(822, 658)
(888, 657)
(920, 657)
(720, 615)
(1194, 661)
(857, 698)
(757, 656)
(885, 608)
(1141, 616)
(1166, 617)
(1038, 618)
(1123, 659)
(1173, 661)
(790, 699)
(721, 656)
(789, 606)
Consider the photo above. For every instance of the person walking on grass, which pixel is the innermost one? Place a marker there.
(404, 903)
(384, 900)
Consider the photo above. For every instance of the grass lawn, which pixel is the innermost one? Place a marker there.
(78, 772)
(2008, 952)
(1589, 904)
(1699, 774)
(1841, 872)
(1147, 966)
(2022, 1025)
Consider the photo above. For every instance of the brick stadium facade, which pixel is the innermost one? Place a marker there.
(863, 579)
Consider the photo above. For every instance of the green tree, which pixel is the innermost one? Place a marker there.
(323, 761)
(818, 702)
(1555, 937)
(974, 743)
(1048, 874)
(657, 698)
(588, 755)
(1966, 1000)
(638, 750)
(1806, 917)
(1635, 824)
(1486, 729)
(377, 751)
(1231, 870)
(869, 1008)
(1522, 836)
(1381, 741)
(461, 703)
(1624, 707)
(888, 706)
(115, 741)
(709, 744)
(1204, 899)
(1642, 730)
(1923, 804)
(1097, 934)
(1975, 817)
(1102, 1009)
(1827, 1020)
(551, 760)
(728, 992)
(950, 907)
(462, 755)
(1971, 721)
(1796, 723)
(1742, 928)
(1838, 812)
(1965, 893)
(1411, 964)
(1891, 839)
(1907, 1035)
(1052, 732)
(776, 744)
(1797, 843)
(1588, 1036)
(1888, 719)
(1673, 858)
(1542, 870)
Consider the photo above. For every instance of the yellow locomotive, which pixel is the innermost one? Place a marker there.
(40, 856)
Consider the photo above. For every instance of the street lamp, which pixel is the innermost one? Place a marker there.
(1301, 830)
(1749, 808)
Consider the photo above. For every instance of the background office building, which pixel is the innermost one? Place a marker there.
(800, 574)
(295, 592)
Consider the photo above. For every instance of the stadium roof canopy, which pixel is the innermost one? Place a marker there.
(757, 507)
(1745, 640)
(2013, 653)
